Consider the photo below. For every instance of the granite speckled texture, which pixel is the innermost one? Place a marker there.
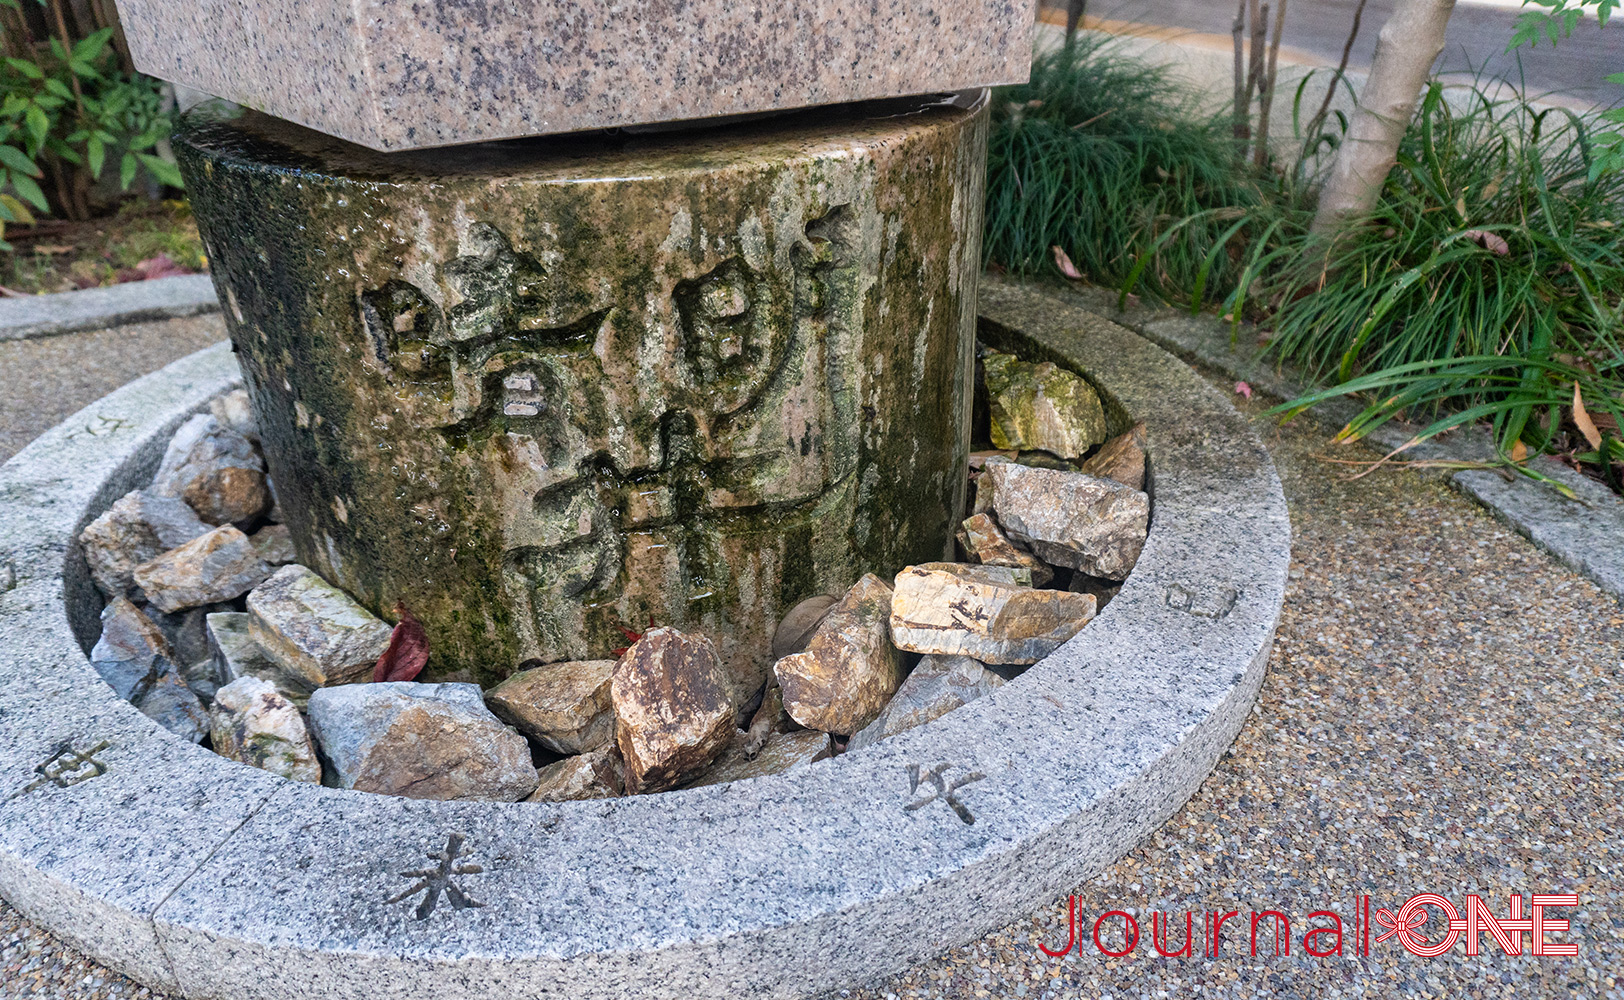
(397, 76)
(797, 884)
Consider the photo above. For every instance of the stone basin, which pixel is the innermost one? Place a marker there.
(202, 877)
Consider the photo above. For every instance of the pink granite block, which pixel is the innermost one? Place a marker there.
(393, 74)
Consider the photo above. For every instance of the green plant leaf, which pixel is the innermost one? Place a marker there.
(162, 169)
(96, 151)
(17, 211)
(38, 123)
(30, 191)
(26, 68)
(92, 45)
(14, 158)
(128, 167)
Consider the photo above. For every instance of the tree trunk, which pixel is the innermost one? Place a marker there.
(1409, 43)
(1075, 10)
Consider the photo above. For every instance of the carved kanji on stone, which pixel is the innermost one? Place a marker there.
(940, 788)
(432, 882)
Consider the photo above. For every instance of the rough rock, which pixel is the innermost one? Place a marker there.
(849, 668)
(234, 412)
(944, 609)
(171, 704)
(985, 542)
(132, 651)
(1070, 519)
(937, 686)
(214, 469)
(563, 706)
(784, 752)
(251, 723)
(314, 630)
(1122, 458)
(210, 568)
(274, 543)
(422, 741)
(672, 710)
(234, 654)
(769, 718)
(1041, 407)
(596, 774)
(140, 526)
(796, 629)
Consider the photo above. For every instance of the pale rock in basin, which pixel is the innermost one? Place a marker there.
(672, 709)
(938, 685)
(218, 566)
(1070, 519)
(782, 752)
(563, 706)
(1041, 407)
(187, 632)
(314, 630)
(596, 774)
(253, 724)
(1122, 458)
(849, 668)
(274, 544)
(234, 654)
(959, 610)
(421, 741)
(171, 704)
(233, 412)
(139, 526)
(132, 651)
(986, 544)
(214, 469)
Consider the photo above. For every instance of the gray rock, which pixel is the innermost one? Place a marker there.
(252, 724)
(1041, 407)
(938, 685)
(849, 668)
(214, 469)
(596, 774)
(783, 752)
(1103, 590)
(234, 654)
(563, 706)
(985, 543)
(421, 741)
(1070, 519)
(951, 609)
(140, 526)
(171, 704)
(314, 630)
(1122, 458)
(211, 568)
(672, 710)
(796, 628)
(132, 651)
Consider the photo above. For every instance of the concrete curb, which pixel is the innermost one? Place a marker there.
(115, 305)
(205, 878)
(1585, 533)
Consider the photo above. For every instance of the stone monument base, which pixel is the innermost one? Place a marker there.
(548, 393)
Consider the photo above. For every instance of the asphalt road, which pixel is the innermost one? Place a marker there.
(1478, 33)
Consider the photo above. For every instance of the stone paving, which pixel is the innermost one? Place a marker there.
(43, 381)
(1444, 713)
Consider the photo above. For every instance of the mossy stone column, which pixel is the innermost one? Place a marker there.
(548, 392)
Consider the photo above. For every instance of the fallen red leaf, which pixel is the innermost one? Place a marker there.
(1489, 241)
(408, 651)
(1242, 389)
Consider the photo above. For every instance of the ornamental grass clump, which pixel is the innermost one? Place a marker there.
(1488, 285)
(1106, 158)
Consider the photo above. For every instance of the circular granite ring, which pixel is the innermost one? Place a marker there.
(203, 877)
